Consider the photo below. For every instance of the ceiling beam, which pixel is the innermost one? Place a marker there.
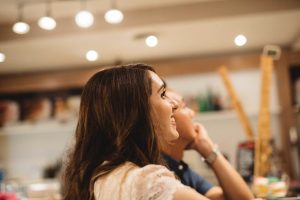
(161, 15)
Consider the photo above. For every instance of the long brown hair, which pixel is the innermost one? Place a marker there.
(114, 125)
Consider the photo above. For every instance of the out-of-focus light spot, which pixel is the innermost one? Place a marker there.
(2, 57)
(21, 27)
(47, 23)
(84, 19)
(113, 16)
(151, 41)
(240, 40)
(91, 55)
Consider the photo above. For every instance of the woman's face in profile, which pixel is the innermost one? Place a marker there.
(162, 110)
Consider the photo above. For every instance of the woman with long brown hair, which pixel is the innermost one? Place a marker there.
(125, 117)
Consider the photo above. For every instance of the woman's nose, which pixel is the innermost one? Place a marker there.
(173, 103)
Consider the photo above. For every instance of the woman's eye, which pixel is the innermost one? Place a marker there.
(163, 94)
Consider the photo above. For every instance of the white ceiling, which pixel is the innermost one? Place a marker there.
(185, 28)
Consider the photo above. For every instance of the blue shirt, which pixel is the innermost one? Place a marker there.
(188, 176)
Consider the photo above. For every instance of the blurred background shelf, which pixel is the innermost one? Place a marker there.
(45, 127)
(228, 114)
(54, 126)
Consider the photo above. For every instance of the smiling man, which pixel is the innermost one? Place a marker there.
(194, 136)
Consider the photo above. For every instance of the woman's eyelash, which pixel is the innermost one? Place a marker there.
(163, 94)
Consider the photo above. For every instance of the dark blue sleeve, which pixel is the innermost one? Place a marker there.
(192, 179)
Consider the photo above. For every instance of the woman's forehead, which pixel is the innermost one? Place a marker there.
(155, 78)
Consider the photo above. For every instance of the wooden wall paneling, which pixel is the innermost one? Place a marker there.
(294, 58)
(208, 64)
(43, 81)
(77, 78)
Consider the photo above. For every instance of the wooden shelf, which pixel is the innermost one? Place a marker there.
(215, 115)
(54, 126)
(227, 114)
(45, 127)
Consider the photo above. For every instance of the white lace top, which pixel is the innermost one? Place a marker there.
(130, 182)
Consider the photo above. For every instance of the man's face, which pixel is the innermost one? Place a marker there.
(183, 117)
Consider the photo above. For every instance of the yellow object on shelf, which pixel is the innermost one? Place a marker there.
(261, 187)
(236, 103)
(266, 188)
(263, 148)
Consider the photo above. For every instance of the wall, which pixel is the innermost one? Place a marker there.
(28, 148)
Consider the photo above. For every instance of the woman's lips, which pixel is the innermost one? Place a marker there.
(173, 122)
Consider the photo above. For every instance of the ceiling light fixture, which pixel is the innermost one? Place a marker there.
(240, 40)
(113, 15)
(84, 18)
(151, 41)
(47, 22)
(91, 55)
(2, 57)
(21, 27)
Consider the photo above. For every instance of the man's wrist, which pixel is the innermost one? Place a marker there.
(212, 156)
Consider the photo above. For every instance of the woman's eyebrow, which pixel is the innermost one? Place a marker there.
(162, 87)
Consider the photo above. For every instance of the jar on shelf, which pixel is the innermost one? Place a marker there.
(9, 112)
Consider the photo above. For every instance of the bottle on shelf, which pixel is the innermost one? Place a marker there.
(210, 101)
(2, 188)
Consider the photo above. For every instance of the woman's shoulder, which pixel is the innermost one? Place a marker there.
(129, 170)
(155, 182)
(151, 169)
(147, 172)
(154, 171)
(141, 182)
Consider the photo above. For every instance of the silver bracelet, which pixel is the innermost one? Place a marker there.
(212, 156)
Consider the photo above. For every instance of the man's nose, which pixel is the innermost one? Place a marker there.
(192, 112)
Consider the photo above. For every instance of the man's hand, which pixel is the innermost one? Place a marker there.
(202, 142)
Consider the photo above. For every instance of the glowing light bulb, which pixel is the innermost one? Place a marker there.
(2, 57)
(84, 19)
(114, 16)
(21, 27)
(151, 41)
(47, 23)
(240, 40)
(91, 55)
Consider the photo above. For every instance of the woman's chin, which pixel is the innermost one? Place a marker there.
(175, 135)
